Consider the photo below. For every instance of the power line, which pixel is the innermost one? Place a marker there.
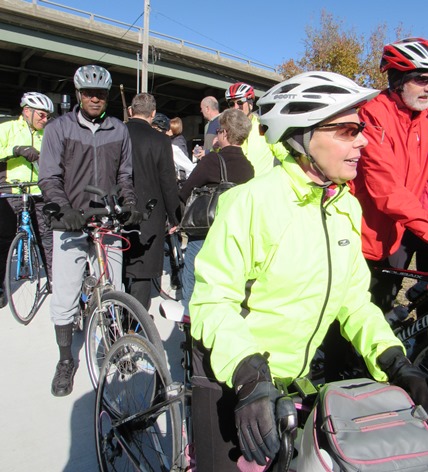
(207, 37)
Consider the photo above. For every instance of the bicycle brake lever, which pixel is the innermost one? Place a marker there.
(117, 207)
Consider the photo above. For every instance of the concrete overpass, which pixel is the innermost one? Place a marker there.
(43, 43)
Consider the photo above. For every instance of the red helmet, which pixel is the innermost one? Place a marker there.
(405, 55)
(240, 90)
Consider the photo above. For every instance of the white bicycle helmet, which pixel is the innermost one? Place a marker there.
(405, 55)
(37, 101)
(92, 77)
(306, 100)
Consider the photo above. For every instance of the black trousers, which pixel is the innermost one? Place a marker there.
(215, 437)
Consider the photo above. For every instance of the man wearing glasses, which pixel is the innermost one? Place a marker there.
(261, 154)
(20, 142)
(83, 147)
(392, 181)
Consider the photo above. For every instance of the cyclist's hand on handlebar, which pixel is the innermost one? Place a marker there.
(29, 152)
(403, 373)
(73, 219)
(134, 218)
(255, 411)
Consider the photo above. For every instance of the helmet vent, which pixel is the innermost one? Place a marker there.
(327, 89)
(301, 107)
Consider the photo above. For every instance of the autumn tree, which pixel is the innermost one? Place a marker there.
(331, 47)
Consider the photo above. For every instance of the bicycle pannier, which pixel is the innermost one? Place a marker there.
(364, 426)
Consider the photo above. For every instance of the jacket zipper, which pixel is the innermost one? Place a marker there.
(327, 294)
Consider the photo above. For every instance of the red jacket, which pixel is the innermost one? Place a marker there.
(392, 175)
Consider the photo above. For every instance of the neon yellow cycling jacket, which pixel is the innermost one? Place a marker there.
(259, 152)
(302, 260)
(18, 133)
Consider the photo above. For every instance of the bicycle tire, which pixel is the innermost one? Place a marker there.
(131, 432)
(122, 314)
(169, 284)
(23, 289)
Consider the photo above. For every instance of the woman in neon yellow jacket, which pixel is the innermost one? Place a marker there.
(281, 262)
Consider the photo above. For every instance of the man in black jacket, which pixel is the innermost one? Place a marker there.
(154, 177)
(80, 148)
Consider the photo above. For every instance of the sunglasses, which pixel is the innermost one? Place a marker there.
(42, 116)
(240, 102)
(346, 131)
(219, 130)
(90, 93)
(421, 80)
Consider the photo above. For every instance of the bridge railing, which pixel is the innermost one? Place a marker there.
(182, 42)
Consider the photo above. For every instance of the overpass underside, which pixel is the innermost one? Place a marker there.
(40, 49)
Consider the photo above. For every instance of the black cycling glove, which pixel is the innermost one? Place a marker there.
(255, 411)
(73, 219)
(403, 373)
(29, 152)
(134, 216)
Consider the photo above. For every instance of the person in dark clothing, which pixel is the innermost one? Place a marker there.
(83, 147)
(233, 131)
(154, 177)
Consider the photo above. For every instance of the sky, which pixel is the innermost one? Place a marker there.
(268, 32)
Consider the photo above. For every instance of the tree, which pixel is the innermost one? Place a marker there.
(332, 48)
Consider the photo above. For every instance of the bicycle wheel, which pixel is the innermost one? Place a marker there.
(120, 314)
(136, 426)
(22, 279)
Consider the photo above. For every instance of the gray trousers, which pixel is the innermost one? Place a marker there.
(71, 251)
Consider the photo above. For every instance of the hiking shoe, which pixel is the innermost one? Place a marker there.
(62, 383)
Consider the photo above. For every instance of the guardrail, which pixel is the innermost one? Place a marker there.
(94, 17)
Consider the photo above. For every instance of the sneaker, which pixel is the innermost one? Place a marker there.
(62, 383)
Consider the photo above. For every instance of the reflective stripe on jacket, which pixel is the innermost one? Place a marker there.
(304, 261)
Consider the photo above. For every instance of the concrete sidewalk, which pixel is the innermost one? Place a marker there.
(39, 432)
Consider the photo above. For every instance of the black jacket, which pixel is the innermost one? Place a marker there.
(154, 177)
(207, 172)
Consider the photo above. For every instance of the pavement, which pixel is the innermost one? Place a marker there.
(40, 432)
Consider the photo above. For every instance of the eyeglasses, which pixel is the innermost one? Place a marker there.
(42, 116)
(90, 93)
(219, 130)
(346, 131)
(240, 102)
(421, 80)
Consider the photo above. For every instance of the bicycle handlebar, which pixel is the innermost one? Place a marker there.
(58, 225)
(20, 185)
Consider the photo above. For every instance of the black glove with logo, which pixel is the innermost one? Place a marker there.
(134, 216)
(73, 219)
(403, 373)
(29, 152)
(255, 411)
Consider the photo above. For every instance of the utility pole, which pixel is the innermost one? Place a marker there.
(145, 47)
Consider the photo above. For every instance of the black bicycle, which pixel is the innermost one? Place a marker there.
(142, 417)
